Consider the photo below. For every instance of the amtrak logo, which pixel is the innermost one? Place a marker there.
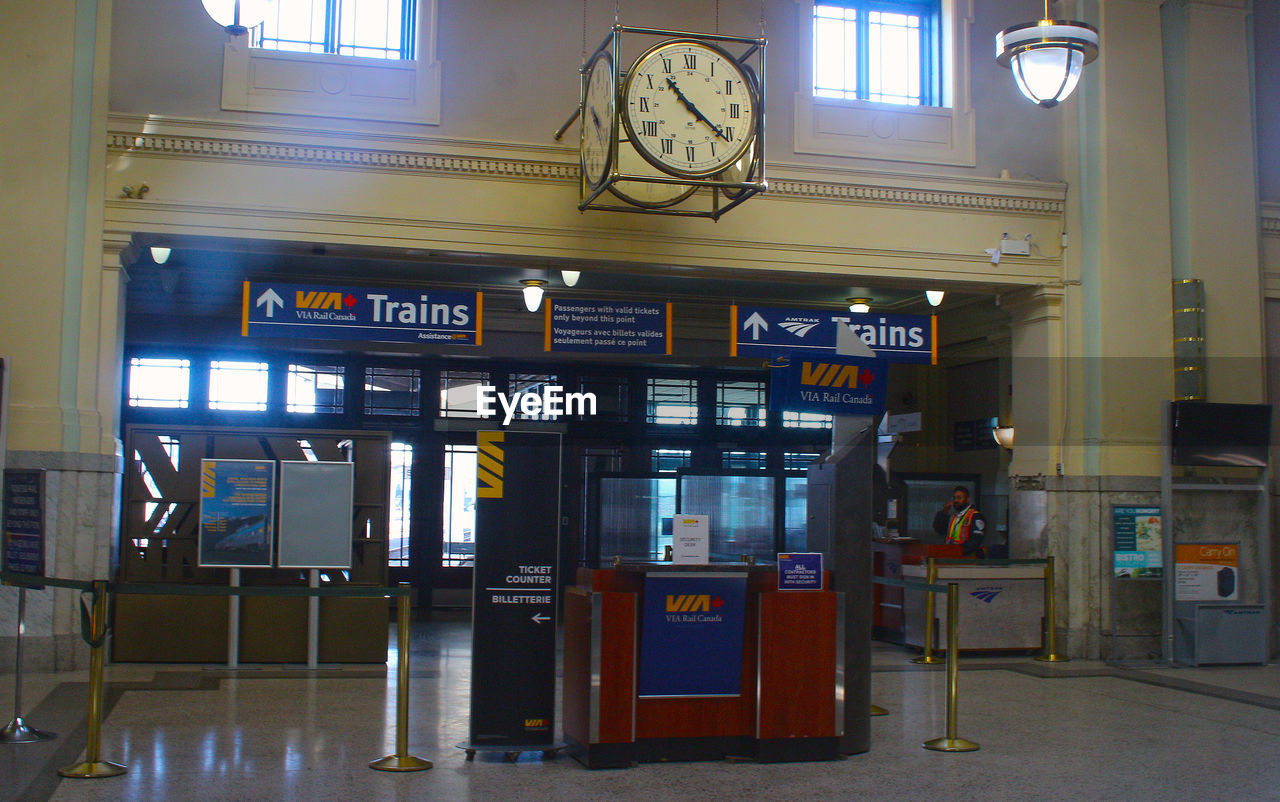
(986, 594)
(799, 328)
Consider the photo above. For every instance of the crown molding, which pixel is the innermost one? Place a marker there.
(223, 140)
(1269, 217)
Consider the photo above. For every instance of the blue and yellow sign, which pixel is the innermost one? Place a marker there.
(811, 333)
(830, 384)
(436, 317)
(691, 635)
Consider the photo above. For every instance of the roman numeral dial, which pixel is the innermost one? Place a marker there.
(690, 109)
(599, 102)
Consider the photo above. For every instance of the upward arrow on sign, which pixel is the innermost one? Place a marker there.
(756, 324)
(272, 300)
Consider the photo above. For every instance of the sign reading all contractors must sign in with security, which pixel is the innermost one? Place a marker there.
(608, 327)
(437, 317)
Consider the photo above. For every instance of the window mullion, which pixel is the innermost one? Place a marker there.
(332, 15)
(863, 38)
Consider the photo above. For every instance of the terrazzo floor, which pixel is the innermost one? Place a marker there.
(1074, 730)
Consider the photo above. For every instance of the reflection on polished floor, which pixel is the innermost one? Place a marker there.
(1076, 730)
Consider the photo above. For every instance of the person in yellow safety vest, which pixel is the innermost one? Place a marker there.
(960, 523)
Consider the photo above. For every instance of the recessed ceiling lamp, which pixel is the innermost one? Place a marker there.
(859, 306)
(160, 255)
(533, 293)
(237, 16)
(570, 277)
(1046, 56)
(934, 297)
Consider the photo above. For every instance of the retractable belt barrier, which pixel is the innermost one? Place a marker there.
(950, 742)
(94, 626)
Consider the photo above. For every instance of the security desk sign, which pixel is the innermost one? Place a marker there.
(691, 539)
(237, 506)
(811, 333)
(24, 522)
(800, 571)
(513, 653)
(608, 327)
(830, 384)
(309, 311)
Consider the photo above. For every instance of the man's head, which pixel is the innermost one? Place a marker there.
(960, 497)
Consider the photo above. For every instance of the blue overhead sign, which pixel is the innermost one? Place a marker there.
(608, 327)
(769, 331)
(836, 385)
(315, 312)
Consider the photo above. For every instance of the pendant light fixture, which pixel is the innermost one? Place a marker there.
(532, 293)
(237, 16)
(570, 277)
(1046, 56)
(934, 297)
(160, 254)
(859, 306)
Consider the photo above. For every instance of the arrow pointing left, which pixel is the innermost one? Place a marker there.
(271, 300)
(539, 618)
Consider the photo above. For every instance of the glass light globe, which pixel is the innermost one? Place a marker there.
(1047, 75)
(532, 294)
(238, 16)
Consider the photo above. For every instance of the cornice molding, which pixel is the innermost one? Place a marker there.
(1269, 216)
(945, 192)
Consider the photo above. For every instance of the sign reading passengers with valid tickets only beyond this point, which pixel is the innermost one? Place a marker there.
(608, 327)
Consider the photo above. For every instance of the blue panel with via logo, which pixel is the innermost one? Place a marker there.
(691, 635)
(800, 571)
(811, 333)
(829, 384)
(441, 317)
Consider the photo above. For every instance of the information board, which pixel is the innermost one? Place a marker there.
(608, 327)
(691, 634)
(800, 571)
(1137, 542)
(24, 529)
(320, 312)
(316, 514)
(513, 653)
(1207, 571)
(811, 333)
(237, 524)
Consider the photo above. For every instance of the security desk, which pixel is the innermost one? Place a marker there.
(671, 662)
(887, 559)
(1001, 606)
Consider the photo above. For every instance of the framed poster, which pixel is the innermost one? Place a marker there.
(1137, 543)
(1207, 571)
(24, 522)
(316, 514)
(237, 501)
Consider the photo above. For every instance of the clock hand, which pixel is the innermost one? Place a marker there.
(694, 109)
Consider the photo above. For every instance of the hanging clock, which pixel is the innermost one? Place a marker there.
(599, 120)
(689, 108)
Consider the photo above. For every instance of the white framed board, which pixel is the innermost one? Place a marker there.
(316, 514)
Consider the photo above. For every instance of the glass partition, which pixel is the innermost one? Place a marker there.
(741, 510)
(635, 517)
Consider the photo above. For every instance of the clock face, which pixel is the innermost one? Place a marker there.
(689, 108)
(649, 195)
(598, 122)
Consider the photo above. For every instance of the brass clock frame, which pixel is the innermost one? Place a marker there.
(701, 196)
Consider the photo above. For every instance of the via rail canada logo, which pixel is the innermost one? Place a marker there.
(987, 595)
(694, 608)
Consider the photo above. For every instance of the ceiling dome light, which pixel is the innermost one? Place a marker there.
(1046, 56)
(237, 16)
(859, 306)
(533, 293)
(160, 255)
(1004, 436)
(934, 297)
(570, 277)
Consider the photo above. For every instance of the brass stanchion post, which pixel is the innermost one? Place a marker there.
(1051, 617)
(931, 576)
(402, 760)
(92, 765)
(951, 742)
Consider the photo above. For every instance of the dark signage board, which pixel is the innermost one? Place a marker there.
(973, 435)
(237, 521)
(608, 327)
(811, 333)
(24, 522)
(800, 571)
(691, 634)
(437, 317)
(513, 619)
(830, 384)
